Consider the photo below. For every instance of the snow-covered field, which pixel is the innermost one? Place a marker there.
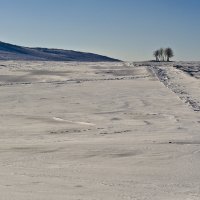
(99, 131)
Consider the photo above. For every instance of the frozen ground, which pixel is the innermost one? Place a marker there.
(96, 131)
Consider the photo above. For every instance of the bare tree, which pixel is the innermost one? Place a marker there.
(168, 53)
(161, 54)
(156, 54)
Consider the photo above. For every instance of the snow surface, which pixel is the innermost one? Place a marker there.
(112, 131)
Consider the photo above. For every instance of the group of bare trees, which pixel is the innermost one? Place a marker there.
(162, 55)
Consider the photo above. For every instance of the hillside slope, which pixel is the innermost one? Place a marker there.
(14, 52)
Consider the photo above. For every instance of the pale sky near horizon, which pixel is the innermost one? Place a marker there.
(124, 29)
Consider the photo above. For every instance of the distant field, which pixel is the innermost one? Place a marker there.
(192, 69)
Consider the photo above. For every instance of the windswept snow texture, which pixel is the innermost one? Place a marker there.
(192, 68)
(13, 52)
(98, 131)
(180, 77)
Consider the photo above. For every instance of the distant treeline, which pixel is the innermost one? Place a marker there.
(162, 54)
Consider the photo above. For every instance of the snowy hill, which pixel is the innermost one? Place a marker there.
(14, 52)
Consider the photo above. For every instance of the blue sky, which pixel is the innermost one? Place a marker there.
(124, 29)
